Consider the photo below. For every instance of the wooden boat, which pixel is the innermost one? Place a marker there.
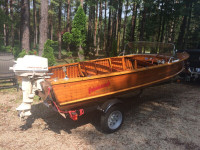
(79, 85)
(74, 89)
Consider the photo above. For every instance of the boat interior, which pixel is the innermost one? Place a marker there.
(106, 65)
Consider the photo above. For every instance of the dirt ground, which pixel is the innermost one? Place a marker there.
(164, 117)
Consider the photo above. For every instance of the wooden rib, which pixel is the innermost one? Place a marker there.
(135, 64)
(123, 64)
(79, 68)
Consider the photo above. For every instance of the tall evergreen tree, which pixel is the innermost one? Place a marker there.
(78, 32)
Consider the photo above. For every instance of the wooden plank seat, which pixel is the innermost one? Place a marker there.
(88, 68)
(95, 67)
(133, 63)
(117, 64)
(57, 72)
(72, 71)
(103, 66)
(129, 63)
(143, 63)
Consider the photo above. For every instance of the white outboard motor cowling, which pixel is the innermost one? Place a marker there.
(33, 70)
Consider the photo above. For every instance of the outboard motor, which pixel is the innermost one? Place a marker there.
(33, 70)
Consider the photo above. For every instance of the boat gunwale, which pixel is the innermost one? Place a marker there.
(71, 64)
(64, 81)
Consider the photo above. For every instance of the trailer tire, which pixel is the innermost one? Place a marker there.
(112, 120)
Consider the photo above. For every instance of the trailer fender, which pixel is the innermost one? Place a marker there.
(108, 104)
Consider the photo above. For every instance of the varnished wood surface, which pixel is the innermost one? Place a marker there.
(111, 76)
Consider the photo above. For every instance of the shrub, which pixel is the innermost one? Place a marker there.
(18, 54)
(69, 54)
(22, 53)
(48, 53)
(33, 52)
(16, 51)
(6, 48)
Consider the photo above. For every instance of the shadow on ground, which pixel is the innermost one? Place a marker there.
(56, 122)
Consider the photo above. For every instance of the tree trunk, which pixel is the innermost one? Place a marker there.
(81, 3)
(80, 55)
(99, 28)
(111, 27)
(20, 25)
(12, 27)
(114, 25)
(85, 7)
(163, 28)
(188, 25)
(95, 27)
(105, 27)
(182, 29)
(125, 19)
(5, 34)
(51, 31)
(133, 22)
(173, 30)
(43, 26)
(59, 30)
(89, 32)
(93, 39)
(113, 33)
(68, 15)
(109, 30)
(51, 22)
(142, 27)
(34, 25)
(160, 22)
(6, 24)
(182, 32)
(25, 14)
(119, 25)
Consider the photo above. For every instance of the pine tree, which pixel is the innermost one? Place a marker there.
(78, 32)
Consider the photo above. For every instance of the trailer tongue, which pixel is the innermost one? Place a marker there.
(33, 70)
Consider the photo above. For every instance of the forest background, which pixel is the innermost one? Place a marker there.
(65, 31)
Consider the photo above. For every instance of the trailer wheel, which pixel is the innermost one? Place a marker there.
(112, 120)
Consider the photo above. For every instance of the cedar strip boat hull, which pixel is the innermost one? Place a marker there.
(84, 91)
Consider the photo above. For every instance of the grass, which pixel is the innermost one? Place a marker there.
(36, 99)
(19, 99)
(8, 90)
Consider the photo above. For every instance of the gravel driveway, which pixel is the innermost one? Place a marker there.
(164, 117)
